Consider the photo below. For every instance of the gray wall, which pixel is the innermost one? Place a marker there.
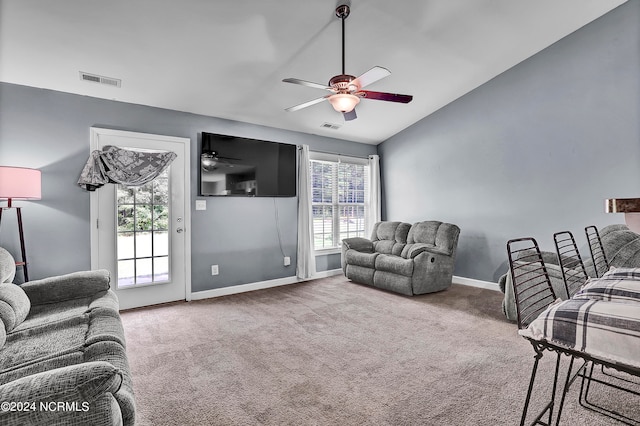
(532, 152)
(49, 130)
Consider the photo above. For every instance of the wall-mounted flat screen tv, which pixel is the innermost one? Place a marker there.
(235, 166)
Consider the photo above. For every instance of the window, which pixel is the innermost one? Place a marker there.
(143, 233)
(338, 188)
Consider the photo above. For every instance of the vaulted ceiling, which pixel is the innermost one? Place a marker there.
(227, 58)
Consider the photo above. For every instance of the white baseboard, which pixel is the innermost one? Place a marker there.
(243, 288)
(476, 283)
(325, 274)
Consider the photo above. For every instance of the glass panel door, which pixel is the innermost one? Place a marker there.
(142, 247)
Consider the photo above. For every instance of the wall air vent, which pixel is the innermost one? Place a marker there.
(115, 82)
(330, 126)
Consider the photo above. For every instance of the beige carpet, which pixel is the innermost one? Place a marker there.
(331, 352)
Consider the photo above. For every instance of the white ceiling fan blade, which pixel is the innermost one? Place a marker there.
(306, 83)
(371, 76)
(306, 104)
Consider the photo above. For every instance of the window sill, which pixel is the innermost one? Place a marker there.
(324, 252)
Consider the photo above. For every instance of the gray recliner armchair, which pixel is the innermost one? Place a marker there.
(62, 342)
(405, 258)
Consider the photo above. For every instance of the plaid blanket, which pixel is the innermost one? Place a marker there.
(605, 330)
(622, 274)
(614, 290)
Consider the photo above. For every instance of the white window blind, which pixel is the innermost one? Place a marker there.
(338, 188)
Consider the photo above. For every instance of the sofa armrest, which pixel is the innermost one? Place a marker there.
(358, 244)
(418, 248)
(76, 285)
(78, 394)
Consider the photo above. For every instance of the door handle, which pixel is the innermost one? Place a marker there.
(179, 230)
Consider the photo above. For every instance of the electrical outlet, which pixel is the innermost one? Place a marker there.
(214, 270)
(287, 261)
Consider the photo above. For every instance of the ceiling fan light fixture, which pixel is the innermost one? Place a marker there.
(208, 159)
(344, 102)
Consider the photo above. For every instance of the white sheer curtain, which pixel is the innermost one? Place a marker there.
(373, 212)
(306, 266)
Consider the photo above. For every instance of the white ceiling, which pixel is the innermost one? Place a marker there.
(227, 58)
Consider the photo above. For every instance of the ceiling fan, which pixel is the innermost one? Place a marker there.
(210, 161)
(346, 90)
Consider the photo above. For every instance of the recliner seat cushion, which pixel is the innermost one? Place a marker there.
(59, 333)
(395, 264)
(361, 259)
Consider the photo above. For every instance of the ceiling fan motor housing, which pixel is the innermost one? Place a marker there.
(343, 83)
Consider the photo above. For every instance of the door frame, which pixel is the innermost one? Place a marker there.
(96, 132)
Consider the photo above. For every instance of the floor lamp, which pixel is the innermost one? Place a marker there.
(18, 183)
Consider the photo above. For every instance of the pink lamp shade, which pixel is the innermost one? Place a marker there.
(19, 183)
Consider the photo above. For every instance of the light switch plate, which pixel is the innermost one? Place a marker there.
(201, 204)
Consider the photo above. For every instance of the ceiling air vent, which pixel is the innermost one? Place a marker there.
(115, 82)
(330, 126)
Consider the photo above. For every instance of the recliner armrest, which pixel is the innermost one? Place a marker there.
(359, 244)
(418, 248)
(67, 287)
(81, 390)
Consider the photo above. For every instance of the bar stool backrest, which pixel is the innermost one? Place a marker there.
(599, 257)
(531, 284)
(574, 273)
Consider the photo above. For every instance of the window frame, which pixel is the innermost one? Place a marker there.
(335, 203)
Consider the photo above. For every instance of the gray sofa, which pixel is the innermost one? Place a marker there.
(405, 258)
(621, 246)
(62, 351)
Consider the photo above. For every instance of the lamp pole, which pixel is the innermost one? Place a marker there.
(19, 183)
(23, 250)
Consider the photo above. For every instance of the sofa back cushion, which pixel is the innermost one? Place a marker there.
(390, 237)
(440, 235)
(621, 245)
